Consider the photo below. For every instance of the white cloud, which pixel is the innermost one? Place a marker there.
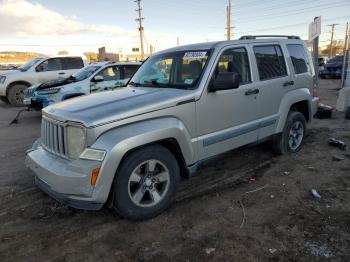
(27, 19)
(25, 22)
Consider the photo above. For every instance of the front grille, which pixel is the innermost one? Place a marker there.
(53, 137)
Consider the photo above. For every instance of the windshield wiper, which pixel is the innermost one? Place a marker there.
(157, 84)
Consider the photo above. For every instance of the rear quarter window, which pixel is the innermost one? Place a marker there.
(270, 61)
(299, 58)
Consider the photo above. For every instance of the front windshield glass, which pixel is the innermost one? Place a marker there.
(181, 69)
(29, 64)
(85, 72)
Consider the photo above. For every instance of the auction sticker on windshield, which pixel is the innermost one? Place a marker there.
(196, 55)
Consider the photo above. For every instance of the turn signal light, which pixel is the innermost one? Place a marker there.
(94, 176)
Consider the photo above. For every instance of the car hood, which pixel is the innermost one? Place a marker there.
(110, 106)
(56, 83)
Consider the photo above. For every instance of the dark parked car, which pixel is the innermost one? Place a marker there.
(333, 68)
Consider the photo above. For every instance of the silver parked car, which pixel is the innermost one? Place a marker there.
(183, 106)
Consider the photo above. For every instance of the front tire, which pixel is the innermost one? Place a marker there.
(146, 183)
(291, 139)
(16, 94)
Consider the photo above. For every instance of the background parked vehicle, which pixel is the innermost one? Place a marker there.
(38, 70)
(333, 68)
(182, 107)
(93, 78)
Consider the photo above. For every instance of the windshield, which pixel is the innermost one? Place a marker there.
(181, 69)
(29, 64)
(85, 72)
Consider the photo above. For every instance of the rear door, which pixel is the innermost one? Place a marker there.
(70, 65)
(301, 65)
(274, 80)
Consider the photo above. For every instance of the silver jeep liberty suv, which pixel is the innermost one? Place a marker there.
(184, 105)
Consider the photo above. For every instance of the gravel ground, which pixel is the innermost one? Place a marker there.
(248, 206)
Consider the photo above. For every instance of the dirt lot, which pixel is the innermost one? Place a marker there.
(283, 221)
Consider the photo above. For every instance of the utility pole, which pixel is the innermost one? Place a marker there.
(229, 27)
(331, 44)
(177, 41)
(141, 29)
(345, 55)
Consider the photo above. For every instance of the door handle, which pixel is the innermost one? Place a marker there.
(288, 83)
(252, 92)
(61, 73)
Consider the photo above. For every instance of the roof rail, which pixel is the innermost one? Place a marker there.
(248, 37)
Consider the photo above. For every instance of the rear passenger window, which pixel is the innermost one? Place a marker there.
(129, 70)
(235, 60)
(299, 58)
(270, 61)
(72, 63)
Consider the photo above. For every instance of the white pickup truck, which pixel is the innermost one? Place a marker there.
(39, 70)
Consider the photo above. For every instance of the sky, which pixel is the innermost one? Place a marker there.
(48, 26)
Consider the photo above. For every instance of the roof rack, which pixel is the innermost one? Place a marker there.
(248, 37)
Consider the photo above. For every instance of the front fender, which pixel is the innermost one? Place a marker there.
(118, 141)
(292, 97)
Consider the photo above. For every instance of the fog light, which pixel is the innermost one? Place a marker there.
(94, 176)
(93, 154)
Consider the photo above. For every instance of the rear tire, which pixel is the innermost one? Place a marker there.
(146, 183)
(15, 95)
(291, 139)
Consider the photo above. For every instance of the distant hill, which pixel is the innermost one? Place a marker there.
(17, 57)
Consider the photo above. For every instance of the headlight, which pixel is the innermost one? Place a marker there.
(93, 154)
(49, 91)
(2, 79)
(76, 141)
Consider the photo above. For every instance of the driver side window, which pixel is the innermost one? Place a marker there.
(52, 64)
(235, 60)
(110, 73)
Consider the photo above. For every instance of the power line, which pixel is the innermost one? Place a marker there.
(292, 12)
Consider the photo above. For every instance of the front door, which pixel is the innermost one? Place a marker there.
(50, 69)
(228, 119)
(111, 80)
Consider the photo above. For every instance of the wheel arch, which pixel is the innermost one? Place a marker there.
(17, 83)
(168, 132)
(297, 100)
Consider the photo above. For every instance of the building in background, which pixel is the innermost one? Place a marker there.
(132, 55)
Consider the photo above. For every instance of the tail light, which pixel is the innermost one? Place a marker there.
(314, 87)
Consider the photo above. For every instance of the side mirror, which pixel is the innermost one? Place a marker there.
(98, 78)
(225, 81)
